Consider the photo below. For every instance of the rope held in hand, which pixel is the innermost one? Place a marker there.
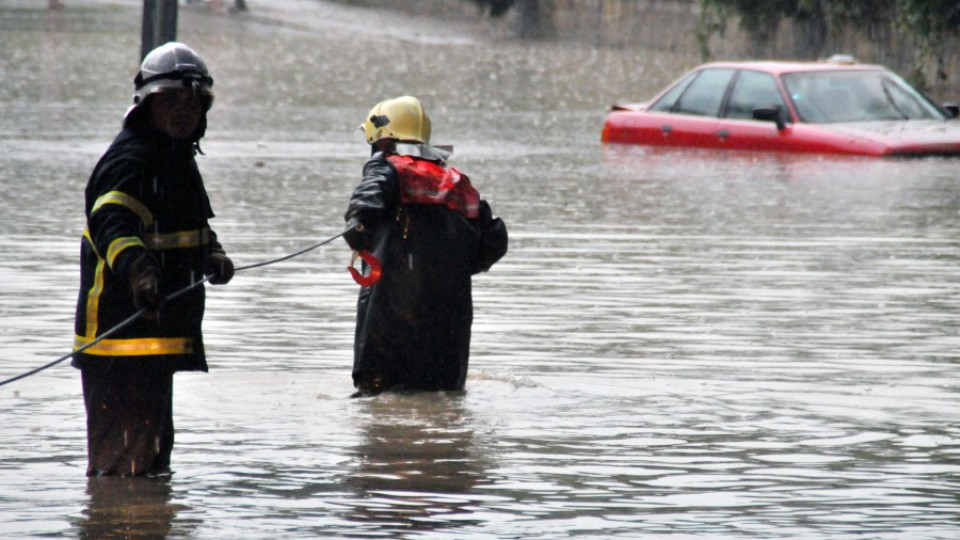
(126, 322)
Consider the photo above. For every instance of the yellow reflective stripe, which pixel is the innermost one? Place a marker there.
(136, 346)
(177, 240)
(93, 298)
(121, 198)
(86, 235)
(119, 245)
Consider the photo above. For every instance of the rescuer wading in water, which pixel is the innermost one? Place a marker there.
(147, 236)
(431, 232)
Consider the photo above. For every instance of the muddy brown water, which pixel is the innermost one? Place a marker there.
(678, 344)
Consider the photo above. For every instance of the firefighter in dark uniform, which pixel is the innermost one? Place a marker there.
(431, 232)
(147, 236)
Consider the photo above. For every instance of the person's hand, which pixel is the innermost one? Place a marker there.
(357, 236)
(219, 268)
(486, 213)
(144, 285)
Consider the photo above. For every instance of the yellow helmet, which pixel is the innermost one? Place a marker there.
(401, 118)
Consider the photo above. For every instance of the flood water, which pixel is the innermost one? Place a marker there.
(682, 345)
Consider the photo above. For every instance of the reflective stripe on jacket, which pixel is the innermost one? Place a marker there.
(136, 346)
(144, 197)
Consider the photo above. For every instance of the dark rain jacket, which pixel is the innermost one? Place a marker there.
(144, 196)
(431, 232)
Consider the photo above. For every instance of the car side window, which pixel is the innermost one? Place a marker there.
(705, 94)
(752, 90)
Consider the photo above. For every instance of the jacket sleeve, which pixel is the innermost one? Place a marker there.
(213, 245)
(116, 215)
(375, 197)
(493, 239)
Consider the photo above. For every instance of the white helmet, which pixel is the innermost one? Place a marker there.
(172, 66)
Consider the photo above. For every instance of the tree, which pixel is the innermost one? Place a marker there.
(929, 23)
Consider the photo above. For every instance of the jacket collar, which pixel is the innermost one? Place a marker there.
(422, 151)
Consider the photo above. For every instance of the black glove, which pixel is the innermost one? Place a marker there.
(144, 284)
(357, 236)
(219, 268)
(486, 213)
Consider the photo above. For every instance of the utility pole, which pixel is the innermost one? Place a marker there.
(159, 24)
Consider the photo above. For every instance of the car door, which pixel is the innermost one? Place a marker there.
(689, 117)
(737, 129)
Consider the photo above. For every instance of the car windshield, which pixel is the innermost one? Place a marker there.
(823, 97)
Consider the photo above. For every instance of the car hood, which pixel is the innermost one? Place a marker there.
(901, 133)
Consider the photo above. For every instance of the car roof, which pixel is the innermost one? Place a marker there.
(778, 67)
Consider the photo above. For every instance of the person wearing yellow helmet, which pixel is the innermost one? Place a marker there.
(431, 231)
(398, 119)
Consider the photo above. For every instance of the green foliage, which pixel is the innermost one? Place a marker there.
(927, 23)
(930, 17)
(919, 18)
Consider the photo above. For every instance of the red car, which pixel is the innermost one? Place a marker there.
(801, 107)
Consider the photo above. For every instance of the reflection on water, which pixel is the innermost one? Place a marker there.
(130, 508)
(683, 344)
(417, 466)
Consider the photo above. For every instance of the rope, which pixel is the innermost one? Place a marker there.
(126, 322)
(290, 256)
